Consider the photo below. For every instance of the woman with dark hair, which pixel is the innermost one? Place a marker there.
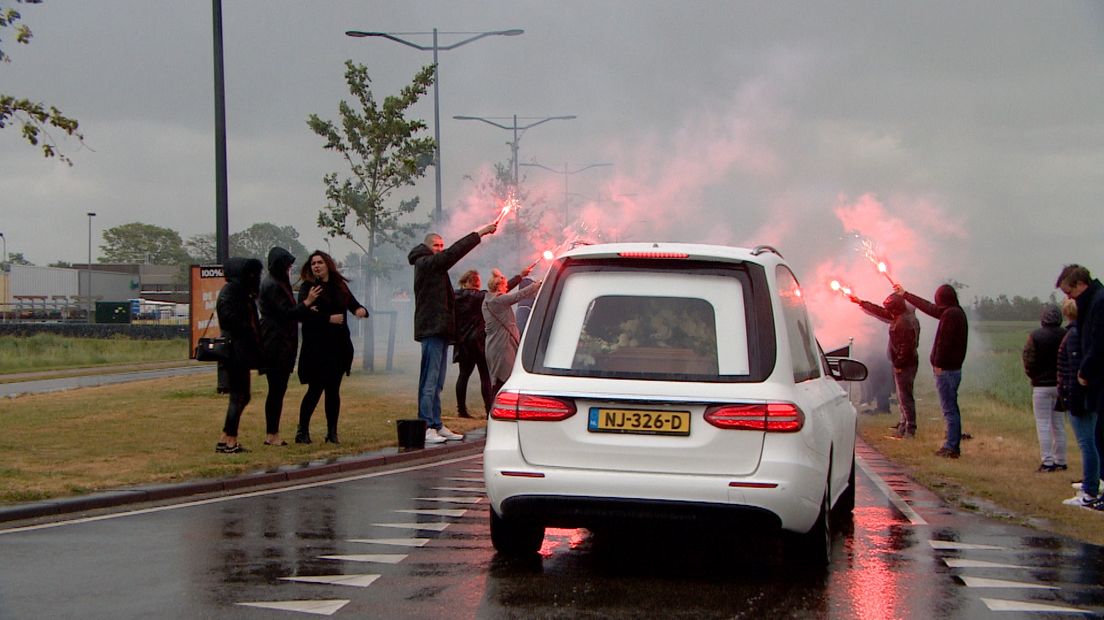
(280, 316)
(237, 317)
(327, 352)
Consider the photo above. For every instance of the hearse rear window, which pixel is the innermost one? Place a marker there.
(668, 325)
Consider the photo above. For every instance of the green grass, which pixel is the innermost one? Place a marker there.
(51, 352)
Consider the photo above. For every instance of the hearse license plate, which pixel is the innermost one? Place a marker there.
(638, 421)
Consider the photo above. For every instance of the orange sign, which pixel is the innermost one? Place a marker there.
(207, 281)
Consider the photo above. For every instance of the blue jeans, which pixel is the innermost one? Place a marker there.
(431, 380)
(946, 384)
(1084, 429)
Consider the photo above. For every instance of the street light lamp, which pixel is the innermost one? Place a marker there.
(516, 128)
(90, 315)
(566, 173)
(435, 47)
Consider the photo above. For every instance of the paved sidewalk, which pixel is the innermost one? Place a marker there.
(287, 474)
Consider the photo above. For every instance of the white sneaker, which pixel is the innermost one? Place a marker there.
(449, 435)
(1081, 499)
(432, 436)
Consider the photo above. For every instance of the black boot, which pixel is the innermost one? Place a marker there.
(302, 436)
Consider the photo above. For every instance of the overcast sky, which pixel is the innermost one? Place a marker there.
(964, 140)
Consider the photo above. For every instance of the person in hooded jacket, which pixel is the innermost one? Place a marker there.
(237, 316)
(1040, 362)
(280, 316)
(904, 337)
(327, 352)
(435, 321)
(948, 353)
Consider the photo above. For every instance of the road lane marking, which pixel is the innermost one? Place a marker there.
(961, 563)
(378, 558)
(326, 607)
(465, 479)
(951, 545)
(357, 581)
(895, 499)
(982, 582)
(996, 604)
(437, 527)
(451, 500)
(436, 512)
(397, 542)
(462, 489)
(229, 498)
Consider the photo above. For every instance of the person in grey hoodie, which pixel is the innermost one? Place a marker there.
(1040, 362)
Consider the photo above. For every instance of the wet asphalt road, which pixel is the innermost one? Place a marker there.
(67, 383)
(413, 543)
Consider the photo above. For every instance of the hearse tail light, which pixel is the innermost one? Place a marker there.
(517, 406)
(653, 255)
(770, 417)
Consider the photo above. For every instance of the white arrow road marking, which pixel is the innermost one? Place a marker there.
(462, 489)
(895, 499)
(451, 500)
(358, 581)
(950, 545)
(996, 604)
(957, 563)
(437, 527)
(381, 558)
(982, 582)
(321, 608)
(398, 542)
(465, 479)
(435, 512)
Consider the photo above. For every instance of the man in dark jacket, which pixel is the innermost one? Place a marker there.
(435, 321)
(947, 355)
(1040, 361)
(904, 336)
(1078, 284)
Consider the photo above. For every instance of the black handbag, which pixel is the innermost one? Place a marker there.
(212, 349)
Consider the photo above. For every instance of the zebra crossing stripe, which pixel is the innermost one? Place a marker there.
(960, 563)
(952, 545)
(357, 581)
(982, 582)
(380, 558)
(436, 527)
(398, 542)
(435, 512)
(996, 604)
(325, 607)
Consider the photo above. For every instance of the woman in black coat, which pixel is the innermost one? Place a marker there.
(280, 316)
(327, 352)
(237, 317)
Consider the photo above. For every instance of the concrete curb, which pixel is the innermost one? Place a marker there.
(287, 474)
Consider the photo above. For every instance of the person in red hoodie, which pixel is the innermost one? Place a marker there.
(948, 353)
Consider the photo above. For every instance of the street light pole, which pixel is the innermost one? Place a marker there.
(515, 128)
(5, 240)
(566, 173)
(393, 36)
(91, 317)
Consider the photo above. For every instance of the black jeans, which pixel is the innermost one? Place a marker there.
(332, 388)
(274, 402)
(470, 359)
(905, 378)
(238, 386)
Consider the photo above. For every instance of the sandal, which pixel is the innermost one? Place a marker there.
(276, 443)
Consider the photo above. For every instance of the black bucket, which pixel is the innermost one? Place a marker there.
(411, 433)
